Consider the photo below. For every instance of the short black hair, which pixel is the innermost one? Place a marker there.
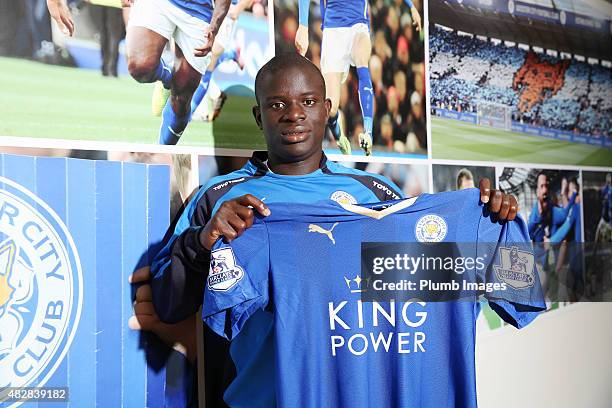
(283, 62)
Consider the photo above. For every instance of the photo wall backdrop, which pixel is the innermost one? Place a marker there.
(66, 252)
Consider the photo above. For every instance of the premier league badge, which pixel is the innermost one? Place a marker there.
(516, 267)
(224, 273)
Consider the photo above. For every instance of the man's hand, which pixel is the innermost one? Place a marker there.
(181, 336)
(505, 205)
(416, 18)
(301, 39)
(58, 9)
(208, 44)
(231, 219)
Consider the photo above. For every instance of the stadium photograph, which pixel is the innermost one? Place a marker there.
(526, 81)
(84, 87)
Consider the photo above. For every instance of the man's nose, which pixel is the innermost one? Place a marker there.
(295, 111)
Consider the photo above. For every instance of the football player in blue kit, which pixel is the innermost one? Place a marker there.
(346, 41)
(193, 25)
(292, 111)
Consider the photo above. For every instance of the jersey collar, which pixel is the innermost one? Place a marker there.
(259, 159)
(357, 209)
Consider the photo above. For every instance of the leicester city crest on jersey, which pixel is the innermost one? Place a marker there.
(41, 288)
(343, 197)
(516, 267)
(430, 228)
(224, 272)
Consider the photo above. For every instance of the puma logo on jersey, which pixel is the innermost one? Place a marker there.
(370, 90)
(321, 230)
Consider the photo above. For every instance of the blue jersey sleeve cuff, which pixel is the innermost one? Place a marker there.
(518, 315)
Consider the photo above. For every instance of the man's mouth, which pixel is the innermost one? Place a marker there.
(295, 135)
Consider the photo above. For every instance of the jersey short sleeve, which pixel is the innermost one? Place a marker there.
(517, 297)
(237, 284)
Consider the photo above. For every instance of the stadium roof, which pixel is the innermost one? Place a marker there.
(533, 22)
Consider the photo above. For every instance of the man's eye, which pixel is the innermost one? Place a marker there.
(310, 102)
(277, 105)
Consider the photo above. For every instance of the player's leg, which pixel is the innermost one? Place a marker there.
(202, 88)
(177, 112)
(147, 34)
(335, 60)
(360, 54)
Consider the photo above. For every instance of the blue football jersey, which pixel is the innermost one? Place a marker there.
(301, 265)
(202, 9)
(338, 13)
(179, 269)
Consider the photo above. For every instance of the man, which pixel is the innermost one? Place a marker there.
(544, 220)
(346, 42)
(465, 179)
(292, 111)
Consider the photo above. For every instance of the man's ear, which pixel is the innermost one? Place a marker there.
(328, 104)
(257, 116)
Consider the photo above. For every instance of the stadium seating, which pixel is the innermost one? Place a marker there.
(541, 89)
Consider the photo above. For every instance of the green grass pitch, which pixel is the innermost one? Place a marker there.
(44, 101)
(452, 139)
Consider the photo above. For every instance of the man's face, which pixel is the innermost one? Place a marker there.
(542, 188)
(466, 183)
(292, 113)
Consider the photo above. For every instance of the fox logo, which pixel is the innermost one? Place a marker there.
(321, 230)
(538, 80)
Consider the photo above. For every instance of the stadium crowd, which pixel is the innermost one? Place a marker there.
(397, 68)
(541, 89)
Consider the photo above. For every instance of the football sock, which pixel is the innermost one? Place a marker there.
(172, 126)
(228, 55)
(366, 94)
(200, 92)
(163, 73)
(334, 125)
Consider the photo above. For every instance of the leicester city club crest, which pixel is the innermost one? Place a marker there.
(41, 289)
(430, 228)
(224, 272)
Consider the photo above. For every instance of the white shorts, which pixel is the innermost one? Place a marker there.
(169, 21)
(336, 48)
(225, 36)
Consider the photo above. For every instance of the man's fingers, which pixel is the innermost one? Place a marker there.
(67, 26)
(496, 201)
(485, 190)
(252, 201)
(143, 294)
(144, 308)
(514, 208)
(142, 322)
(505, 207)
(238, 226)
(140, 275)
(68, 23)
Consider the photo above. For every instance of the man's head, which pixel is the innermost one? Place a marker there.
(542, 189)
(291, 108)
(465, 179)
(573, 186)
